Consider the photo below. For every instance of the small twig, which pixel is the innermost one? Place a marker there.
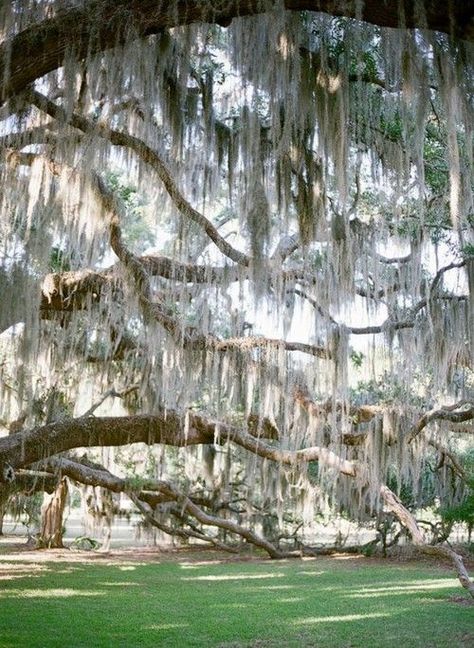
(110, 393)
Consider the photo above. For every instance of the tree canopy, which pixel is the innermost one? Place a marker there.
(252, 223)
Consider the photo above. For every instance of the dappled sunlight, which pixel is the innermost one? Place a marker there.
(165, 626)
(118, 584)
(22, 567)
(276, 587)
(127, 567)
(341, 617)
(124, 563)
(49, 593)
(11, 577)
(388, 593)
(199, 563)
(428, 583)
(230, 577)
(310, 573)
(15, 571)
(408, 588)
(290, 599)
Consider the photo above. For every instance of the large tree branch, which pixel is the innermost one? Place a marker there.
(76, 290)
(260, 342)
(151, 158)
(167, 427)
(390, 323)
(446, 413)
(98, 25)
(147, 511)
(187, 336)
(147, 496)
(407, 520)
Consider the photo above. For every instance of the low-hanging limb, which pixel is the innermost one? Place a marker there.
(147, 497)
(165, 427)
(25, 448)
(147, 512)
(250, 536)
(407, 520)
(166, 492)
(222, 523)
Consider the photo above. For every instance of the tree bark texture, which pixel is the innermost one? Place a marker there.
(51, 535)
(98, 25)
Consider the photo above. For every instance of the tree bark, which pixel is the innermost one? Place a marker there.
(98, 25)
(51, 535)
(407, 520)
(166, 427)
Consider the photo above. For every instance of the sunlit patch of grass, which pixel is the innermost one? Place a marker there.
(119, 584)
(340, 617)
(310, 573)
(48, 593)
(199, 563)
(212, 603)
(223, 577)
(166, 626)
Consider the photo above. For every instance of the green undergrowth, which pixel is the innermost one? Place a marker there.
(201, 601)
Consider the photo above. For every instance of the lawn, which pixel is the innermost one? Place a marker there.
(82, 600)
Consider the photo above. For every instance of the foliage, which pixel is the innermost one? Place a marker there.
(463, 511)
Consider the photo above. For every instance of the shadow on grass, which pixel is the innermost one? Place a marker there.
(214, 603)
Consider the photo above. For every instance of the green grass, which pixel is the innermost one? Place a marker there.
(315, 603)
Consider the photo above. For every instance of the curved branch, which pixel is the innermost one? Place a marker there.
(213, 520)
(166, 427)
(188, 336)
(407, 520)
(456, 466)
(151, 158)
(147, 512)
(388, 325)
(164, 492)
(96, 26)
(446, 413)
(439, 275)
(150, 494)
(257, 342)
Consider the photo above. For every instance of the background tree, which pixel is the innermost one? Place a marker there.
(306, 181)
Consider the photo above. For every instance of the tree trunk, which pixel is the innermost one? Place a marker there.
(52, 517)
(3, 510)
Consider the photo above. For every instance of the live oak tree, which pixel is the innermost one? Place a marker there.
(220, 212)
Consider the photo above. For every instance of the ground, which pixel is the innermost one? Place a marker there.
(129, 598)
